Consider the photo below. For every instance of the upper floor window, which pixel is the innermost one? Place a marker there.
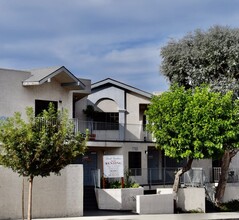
(142, 108)
(106, 121)
(41, 105)
(106, 116)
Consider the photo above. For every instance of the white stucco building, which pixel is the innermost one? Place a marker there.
(117, 127)
(116, 120)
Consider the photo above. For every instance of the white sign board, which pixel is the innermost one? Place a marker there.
(113, 166)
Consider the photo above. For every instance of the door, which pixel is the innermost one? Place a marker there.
(153, 165)
(89, 161)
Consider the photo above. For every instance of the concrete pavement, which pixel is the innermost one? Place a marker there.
(128, 216)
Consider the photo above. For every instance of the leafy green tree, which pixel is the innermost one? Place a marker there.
(40, 145)
(206, 57)
(193, 124)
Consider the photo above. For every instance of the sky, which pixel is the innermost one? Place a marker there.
(98, 39)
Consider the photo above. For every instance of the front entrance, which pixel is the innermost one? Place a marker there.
(89, 161)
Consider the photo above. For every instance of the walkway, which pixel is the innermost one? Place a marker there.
(129, 216)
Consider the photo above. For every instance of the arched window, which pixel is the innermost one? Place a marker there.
(107, 115)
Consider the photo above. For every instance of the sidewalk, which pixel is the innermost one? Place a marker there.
(132, 216)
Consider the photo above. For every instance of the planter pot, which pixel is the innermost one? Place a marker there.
(118, 199)
(92, 137)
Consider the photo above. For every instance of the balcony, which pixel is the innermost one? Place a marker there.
(101, 131)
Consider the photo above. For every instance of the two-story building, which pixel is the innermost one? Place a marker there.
(114, 115)
(112, 111)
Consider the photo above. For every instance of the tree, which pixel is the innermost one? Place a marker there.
(193, 124)
(40, 145)
(209, 57)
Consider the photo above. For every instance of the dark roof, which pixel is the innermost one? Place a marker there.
(120, 85)
(62, 74)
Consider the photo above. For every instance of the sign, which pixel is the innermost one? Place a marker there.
(113, 166)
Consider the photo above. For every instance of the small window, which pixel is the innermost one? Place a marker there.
(144, 122)
(135, 163)
(41, 105)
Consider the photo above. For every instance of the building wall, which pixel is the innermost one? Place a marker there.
(53, 196)
(15, 97)
(79, 107)
(132, 102)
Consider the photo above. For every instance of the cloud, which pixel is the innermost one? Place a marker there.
(103, 38)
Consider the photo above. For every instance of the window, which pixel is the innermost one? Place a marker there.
(135, 163)
(142, 108)
(144, 122)
(41, 105)
(106, 121)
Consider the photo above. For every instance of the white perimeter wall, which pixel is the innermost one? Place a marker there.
(53, 196)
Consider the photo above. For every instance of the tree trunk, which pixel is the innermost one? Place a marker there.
(226, 159)
(29, 214)
(180, 173)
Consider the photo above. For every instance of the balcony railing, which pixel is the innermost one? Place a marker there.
(113, 131)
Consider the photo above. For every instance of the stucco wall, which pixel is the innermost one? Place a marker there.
(118, 199)
(191, 199)
(54, 196)
(154, 204)
(231, 192)
(132, 103)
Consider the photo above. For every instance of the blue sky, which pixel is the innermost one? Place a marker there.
(97, 39)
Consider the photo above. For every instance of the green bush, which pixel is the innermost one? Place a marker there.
(115, 184)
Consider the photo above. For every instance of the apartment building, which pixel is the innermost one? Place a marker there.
(114, 115)
(112, 111)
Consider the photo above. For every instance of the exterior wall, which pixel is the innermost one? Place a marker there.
(118, 199)
(191, 198)
(155, 204)
(54, 196)
(235, 161)
(11, 91)
(134, 120)
(15, 97)
(109, 93)
(231, 192)
(79, 107)
(132, 103)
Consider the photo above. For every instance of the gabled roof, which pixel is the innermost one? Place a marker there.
(61, 74)
(120, 85)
